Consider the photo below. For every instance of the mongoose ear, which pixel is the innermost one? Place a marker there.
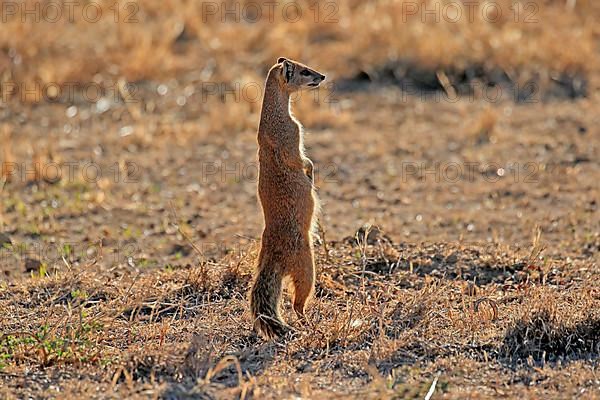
(280, 60)
(288, 70)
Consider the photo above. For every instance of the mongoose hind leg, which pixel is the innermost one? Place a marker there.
(303, 279)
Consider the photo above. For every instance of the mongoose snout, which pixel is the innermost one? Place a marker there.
(317, 80)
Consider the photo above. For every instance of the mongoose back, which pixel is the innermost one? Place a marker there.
(285, 190)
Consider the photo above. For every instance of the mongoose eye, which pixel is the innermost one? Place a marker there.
(305, 72)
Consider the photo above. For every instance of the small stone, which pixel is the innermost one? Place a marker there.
(452, 258)
(32, 265)
(162, 89)
(183, 250)
(71, 112)
(373, 235)
(102, 105)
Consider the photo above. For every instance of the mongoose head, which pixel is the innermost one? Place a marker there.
(295, 76)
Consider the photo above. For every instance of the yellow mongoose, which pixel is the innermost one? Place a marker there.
(285, 189)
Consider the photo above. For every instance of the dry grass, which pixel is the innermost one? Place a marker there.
(134, 283)
(374, 325)
(170, 38)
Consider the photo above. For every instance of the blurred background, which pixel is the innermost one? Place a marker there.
(123, 107)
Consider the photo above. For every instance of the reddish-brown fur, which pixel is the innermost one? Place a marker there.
(285, 189)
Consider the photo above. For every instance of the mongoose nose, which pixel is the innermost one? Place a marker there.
(321, 77)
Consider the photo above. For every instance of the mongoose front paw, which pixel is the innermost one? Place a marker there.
(309, 170)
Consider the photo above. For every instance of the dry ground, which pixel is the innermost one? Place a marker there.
(460, 234)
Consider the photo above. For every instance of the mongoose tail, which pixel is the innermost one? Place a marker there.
(265, 298)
